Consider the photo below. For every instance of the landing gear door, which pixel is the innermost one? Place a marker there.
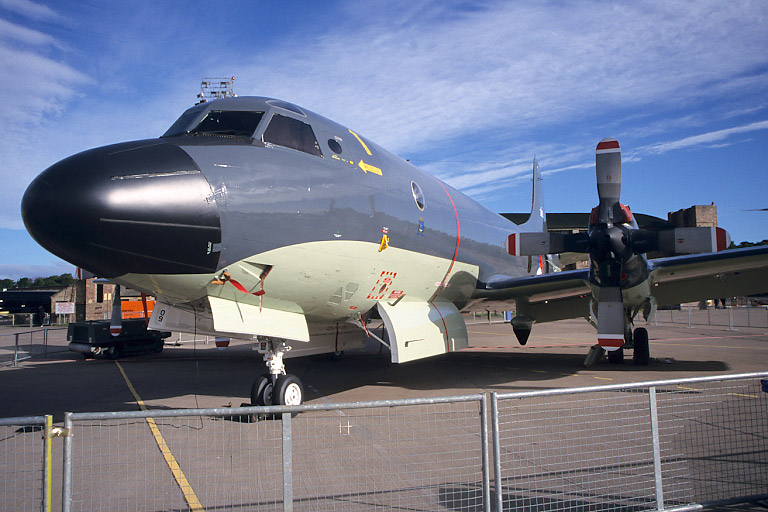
(422, 329)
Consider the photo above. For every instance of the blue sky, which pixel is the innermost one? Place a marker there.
(469, 91)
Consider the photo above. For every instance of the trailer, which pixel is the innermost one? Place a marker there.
(93, 338)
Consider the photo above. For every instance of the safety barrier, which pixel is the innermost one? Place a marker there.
(21, 345)
(671, 445)
(25, 463)
(404, 454)
(731, 316)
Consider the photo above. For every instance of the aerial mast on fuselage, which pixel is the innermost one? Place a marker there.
(215, 89)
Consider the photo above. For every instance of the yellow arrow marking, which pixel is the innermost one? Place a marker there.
(369, 168)
(361, 143)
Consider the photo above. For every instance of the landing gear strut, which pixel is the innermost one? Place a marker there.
(276, 387)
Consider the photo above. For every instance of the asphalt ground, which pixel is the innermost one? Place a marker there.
(199, 375)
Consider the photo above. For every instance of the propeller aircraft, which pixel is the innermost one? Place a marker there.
(253, 218)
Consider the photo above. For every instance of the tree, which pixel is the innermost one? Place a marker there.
(7, 283)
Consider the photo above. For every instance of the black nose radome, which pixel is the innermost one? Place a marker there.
(138, 207)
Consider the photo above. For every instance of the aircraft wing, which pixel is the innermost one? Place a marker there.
(709, 276)
(547, 297)
(674, 280)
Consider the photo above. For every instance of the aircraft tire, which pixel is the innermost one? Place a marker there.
(260, 395)
(641, 355)
(288, 391)
(616, 356)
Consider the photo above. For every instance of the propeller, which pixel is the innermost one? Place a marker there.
(608, 248)
(116, 323)
(615, 245)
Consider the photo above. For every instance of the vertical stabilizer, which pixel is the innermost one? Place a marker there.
(538, 220)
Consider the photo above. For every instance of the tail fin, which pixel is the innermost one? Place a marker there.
(537, 222)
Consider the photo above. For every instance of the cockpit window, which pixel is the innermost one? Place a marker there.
(181, 124)
(222, 123)
(292, 133)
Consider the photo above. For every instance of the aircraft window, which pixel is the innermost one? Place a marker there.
(228, 122)
(180, 126)
(292, 133)
(335, 146)
(418, 195)
(287, 106)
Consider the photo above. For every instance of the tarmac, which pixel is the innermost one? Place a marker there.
(196, 374)
(199, 375)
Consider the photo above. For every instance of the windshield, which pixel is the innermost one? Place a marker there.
(218, 123)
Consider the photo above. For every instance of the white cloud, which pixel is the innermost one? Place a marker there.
(30, 9)
(704, 138)
(407, 83)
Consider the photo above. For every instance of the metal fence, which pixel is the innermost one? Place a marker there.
(670, 445)
(676, 444)
(25, 463)
(731, 317)
(407, 454)
(26, 344)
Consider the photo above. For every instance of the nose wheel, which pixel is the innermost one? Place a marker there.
(276, 387)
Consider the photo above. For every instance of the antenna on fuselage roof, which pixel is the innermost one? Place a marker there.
(215, 89)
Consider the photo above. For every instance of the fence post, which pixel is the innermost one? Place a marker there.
(730, 318)
(496, 453)
(16, 350)
(689, 316)
(485, 458)
(47, 462)
(656, 448)
(66, 486)
(287, 464)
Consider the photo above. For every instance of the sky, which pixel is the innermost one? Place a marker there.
(469, 91)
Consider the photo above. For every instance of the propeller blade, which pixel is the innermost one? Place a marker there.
(610, 318)
(608, 170)
(116, 323)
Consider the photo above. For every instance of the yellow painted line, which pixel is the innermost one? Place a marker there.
(602, 378)
(687, 389)
(745, 396)
(369, 168)
(173, 465)
(361, 143)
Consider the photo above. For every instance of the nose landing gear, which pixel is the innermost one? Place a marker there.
(276, 387)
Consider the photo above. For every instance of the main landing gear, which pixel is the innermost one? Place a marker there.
(276, 387)
(641, 352)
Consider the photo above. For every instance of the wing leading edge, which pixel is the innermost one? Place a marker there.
(673, 280)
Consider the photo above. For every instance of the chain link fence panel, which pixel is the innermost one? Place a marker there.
(25, 463)
(648, 446)
(424, 454)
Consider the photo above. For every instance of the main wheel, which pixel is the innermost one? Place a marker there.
(288, 391)
(261, 391)
(642, 353)
(616, 356)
